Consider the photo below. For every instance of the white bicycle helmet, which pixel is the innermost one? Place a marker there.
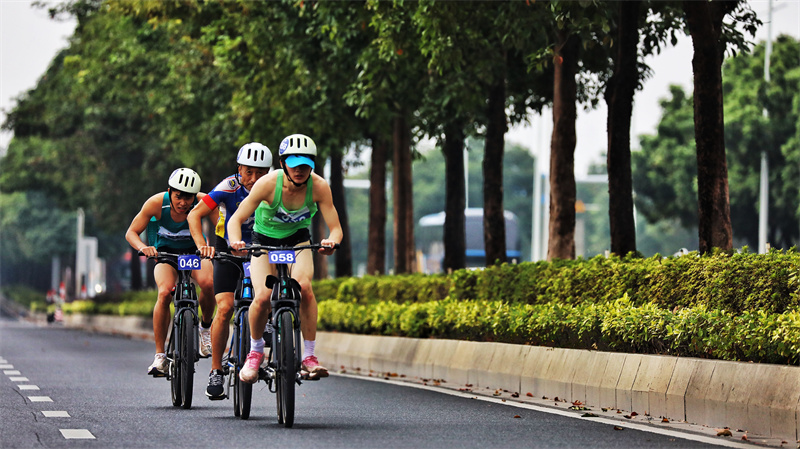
(298, 149)
(254, 154)
(185, 180)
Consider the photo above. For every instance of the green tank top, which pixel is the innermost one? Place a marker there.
(276, 221)
(168, 233)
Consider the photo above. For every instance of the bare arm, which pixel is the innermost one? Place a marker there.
(324, 199)
(195, 220)
(261, 191)
(151, 208)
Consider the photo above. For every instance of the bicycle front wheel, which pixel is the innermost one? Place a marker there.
(174, 368)
(187, 352)
(286, 369)
(243, 391)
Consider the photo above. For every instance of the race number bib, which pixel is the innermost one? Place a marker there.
(189, 262)
(281, 256)
(246, 267)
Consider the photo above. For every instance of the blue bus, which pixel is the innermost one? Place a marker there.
(430, 246)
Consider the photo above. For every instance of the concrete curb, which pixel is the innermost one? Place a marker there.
(747, 397)
(757, 398)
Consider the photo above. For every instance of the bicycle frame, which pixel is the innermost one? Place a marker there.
(184, 299)
(286, 352)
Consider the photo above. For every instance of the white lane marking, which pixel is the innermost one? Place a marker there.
(55, 414)
(18, 379)
(76, 434)
(28, 387)
(40, 399)
(11, 372)
(565, 413)
(6, 366)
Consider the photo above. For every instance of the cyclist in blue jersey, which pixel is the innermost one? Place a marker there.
(164, 217)
(284, 203)
(254, 161)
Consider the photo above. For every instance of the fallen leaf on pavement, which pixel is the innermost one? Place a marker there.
(529, 394)
(617, 428)
(724, 433)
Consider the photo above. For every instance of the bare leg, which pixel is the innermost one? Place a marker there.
(165, 277)
(220, 328)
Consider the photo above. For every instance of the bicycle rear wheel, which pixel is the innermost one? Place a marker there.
(286, 369)
(188, 351)
(242, 391)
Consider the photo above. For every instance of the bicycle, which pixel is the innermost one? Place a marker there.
(282, 372)
(240, 340)
(182, 351)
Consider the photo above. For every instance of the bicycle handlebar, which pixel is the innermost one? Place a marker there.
(228, 257)
(165, 254)
(257, 250)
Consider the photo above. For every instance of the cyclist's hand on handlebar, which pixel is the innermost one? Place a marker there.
(149, 251)
(329, 246)
(206, 251)
(237, 245)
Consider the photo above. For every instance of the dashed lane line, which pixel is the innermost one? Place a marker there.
(76, 434)
(69, 434)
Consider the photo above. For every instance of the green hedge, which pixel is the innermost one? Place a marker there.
(739, 306)
(735, 283)
(611, 326)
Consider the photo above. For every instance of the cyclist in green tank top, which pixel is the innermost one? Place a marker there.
(284, 203)
(164, 217)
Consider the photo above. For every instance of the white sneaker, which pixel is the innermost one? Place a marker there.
(159, 366)
(205, 342)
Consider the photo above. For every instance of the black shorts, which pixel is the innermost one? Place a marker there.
(226, 274)
(300, 236)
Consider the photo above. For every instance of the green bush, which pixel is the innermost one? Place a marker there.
(613, 326)
(23, 295)
(727, 306)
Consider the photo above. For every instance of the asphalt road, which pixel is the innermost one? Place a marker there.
(99, 381)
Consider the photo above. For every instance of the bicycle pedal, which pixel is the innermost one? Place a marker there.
(305, 375)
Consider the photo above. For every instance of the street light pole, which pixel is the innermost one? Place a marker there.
(763, 210)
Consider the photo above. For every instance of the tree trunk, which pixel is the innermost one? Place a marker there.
(619, 96)
(494, 225)
(318, 231)
(376, 245)
(344, 255)
(454, 231)
(136, 270)
(404, 250)
(714, 213)
(562, 150)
